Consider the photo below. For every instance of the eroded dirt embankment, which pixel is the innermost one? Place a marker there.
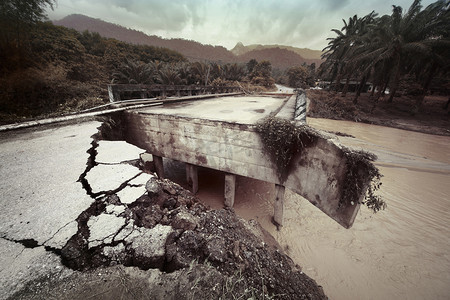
(432, 118)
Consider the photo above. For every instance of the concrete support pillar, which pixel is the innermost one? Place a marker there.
(192, 177)
(278, 205)
(230, 189)
(159, 166)
(188, 173)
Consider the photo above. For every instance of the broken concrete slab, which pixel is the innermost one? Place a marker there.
(125, 232)
(130, 194)
(115, 152)
(62, 235)
(135, 188)
(115, 209)
(103, 228)
(146, 157)
(149, 245)
(104, 178)
(141, 179)
(184, 220)
(153, 186)
(116, 253)
(151, 242)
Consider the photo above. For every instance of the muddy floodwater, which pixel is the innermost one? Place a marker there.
(400, 253)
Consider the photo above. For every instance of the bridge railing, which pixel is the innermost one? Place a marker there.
(118, 92)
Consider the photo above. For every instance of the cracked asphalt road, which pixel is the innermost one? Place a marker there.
(40, 198)
(50, 176)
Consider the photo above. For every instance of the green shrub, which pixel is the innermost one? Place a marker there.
(361, 172)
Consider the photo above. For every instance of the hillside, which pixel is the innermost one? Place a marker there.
(60, 70)
(281, 57)
(306, 53)
(194, 51)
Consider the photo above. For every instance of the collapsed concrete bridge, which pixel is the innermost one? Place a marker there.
(221, 133)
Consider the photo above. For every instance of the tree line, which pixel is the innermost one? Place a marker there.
(193, 73)
(406, 46)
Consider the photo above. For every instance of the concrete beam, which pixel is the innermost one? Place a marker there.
(230, 189)
(278, 205)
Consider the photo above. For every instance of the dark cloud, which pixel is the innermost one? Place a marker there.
(301, 23)
(333, 4)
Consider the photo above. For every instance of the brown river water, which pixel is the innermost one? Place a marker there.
(402, 252)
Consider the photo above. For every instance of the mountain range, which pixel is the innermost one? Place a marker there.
(306, 53)
(281, 57)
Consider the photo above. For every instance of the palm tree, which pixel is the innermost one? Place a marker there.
(334, 55)
(234, 72)
(169, 75)
(133, 72)
(401, 41)
(217, 71)
(185, 73)
(201, 72)
(386, 48)
(344, 47)
(156, 66)
(434, 53)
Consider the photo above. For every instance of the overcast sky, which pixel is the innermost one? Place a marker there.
(299, 23)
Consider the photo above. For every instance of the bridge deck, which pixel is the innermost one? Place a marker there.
(238, 109)
(221, 134)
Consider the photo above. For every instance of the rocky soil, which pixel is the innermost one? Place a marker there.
(144, 237)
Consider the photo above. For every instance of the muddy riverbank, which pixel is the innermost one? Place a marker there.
(433, 118)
